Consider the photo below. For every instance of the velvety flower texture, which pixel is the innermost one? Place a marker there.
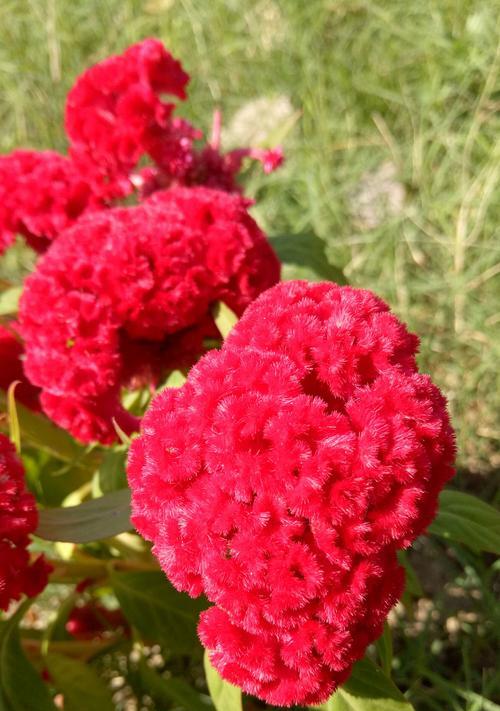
(283, 477)
(41, 193)
(11, 367)
(117, 115)
(125, 295)
(18, 519)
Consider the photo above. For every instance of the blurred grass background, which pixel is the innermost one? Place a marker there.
(389, 115)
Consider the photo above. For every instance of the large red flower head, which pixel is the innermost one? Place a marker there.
(126, 294)
(116, 113)
(18, 519)
(283, 477)
(41, 193)
(11, 367)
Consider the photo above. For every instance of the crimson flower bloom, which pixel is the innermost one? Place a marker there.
(115, 114)
(18, 519)
(41, 193)
(283, 477)
(11, 367)
(125, 295)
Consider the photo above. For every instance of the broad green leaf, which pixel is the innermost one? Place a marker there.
(43, 434)
(111, 475)
(224, 318)
(9, 300)
(303, 257)
(78, 682)
(166, 690)
(225, 696)
(21, 685)
(157, 610)
(93, 520)
(465, 519)
(368, 689)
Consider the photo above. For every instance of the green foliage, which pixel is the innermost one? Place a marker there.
(368, 689)
(466, 519)
(111, 475)
(225, 696)
(41, 433)
(224, 318)
(90, 521)
(81, 686)
(21, 686)
(170, 690)
(157, 610)
(303, 257)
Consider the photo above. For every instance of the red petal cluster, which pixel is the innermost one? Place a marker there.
(115, 113)
(126, 294)
(283, 477)
(41, 193)
(117, 118)
(11, 367)
(18, 519)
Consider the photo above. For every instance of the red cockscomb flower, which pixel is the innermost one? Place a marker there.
(18, 519)
(11, 367)
(281, 479)
(115, 115)
(41, 193)
(126, 293)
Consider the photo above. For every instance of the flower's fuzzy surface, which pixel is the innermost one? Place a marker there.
(18, 519)
(126, 293)
(116, 114)
(41, 194)
(283, 477)
(11, 367)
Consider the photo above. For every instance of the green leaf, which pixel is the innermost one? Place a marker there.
(166, 690)
(43, 434)
(9, 300)
(157, 610)
(465, 519)
(368, 689)
(225, 696)
(413, 586)
(78, 682)
(224, 318)
(21, 686)
(93, 520)
(111, 475)
(303, 257)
